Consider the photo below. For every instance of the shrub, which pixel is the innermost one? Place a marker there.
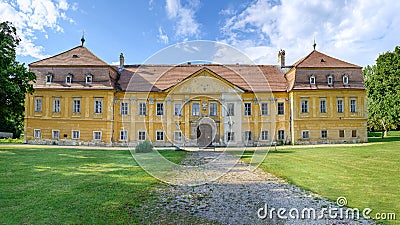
(145, 146)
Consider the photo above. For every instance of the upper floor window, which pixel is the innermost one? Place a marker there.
(353, 105)
(340, 106)
(213, 109)
(312, 79)
(247, 109)
(98, 106)
(304, 106)
(330, 80)
(124, 108)
(322, 106)
(76, 106)
(49, 78)
(56, 105)
(178, 109)
(264, 109)
(345, 79)
(142, 108)
(160, 109)
(89, 79)
(68, 79)
(195, 109)
(38, 104)
(281, 108)
(230, 111)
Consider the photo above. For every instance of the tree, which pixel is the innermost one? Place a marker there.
(382, 82)
(15, 82)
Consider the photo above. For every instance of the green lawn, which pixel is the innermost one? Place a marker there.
(368, 176)
(72, 186)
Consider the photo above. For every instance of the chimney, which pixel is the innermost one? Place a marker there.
(281, 58)
(121, 61)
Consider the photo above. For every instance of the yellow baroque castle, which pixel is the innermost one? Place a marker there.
(81, 100)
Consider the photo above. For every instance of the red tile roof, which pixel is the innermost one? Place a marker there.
(317, 59)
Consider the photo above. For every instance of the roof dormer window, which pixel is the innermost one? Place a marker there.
(68, 79)
(49, 78)
(312, 80)
(89, 79)
(345, 79)
(330, 80)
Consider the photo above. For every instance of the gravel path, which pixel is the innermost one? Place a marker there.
(237, 196)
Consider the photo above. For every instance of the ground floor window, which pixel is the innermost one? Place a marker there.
(354, 133)
(123, 135)
(178, 136)
(37, 133)
(281, 134)
(142, 135)
(264, 135)
(341, 133)
(55, 134)
(305, 134)
(76, 134)
(230, 136)
(247, 135)
(97, 135)
(324, 134)
(160, 135)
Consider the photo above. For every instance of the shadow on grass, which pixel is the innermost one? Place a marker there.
(249, 154)
(386, 139)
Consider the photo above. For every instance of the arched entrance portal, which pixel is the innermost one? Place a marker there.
(204, 135)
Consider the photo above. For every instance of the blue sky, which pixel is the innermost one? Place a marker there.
(353, 30)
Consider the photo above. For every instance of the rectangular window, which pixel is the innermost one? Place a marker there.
(98, 106)
(76, 106)
(37, 133)
(195, 109)
(354, 133)
(305, 134)
(97, 135)
(160, 109)
(213, 109)
(247, 109)
(322, 106)
(264, 135)
(76, 134)
(142, 135)
(230, 136)
(340, 106)
(68, 79)
(230, 109)
(178, 109)
(142, 108)
(281, 108)
(264, 109)
(160, 135)
(353, 105)
(341, 133)
(123, 135)
(38, 104)
(281, 135)
(324, 134)
(55, 134)
(247, 135)
(304, 106)
(124, 108)
(56, 105)
(88, 79)
(178, 136)
(49, 78)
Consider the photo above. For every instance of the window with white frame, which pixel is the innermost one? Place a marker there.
(98, 106)
(97, 135)
(141, 135)
(49, 78)
(324, 134)
(159, 135)
(56, 105)
(160, 109)
(76, 134)
(247, 135)
(55, 134)
(213, 109)
(353, 105)
(281, 135)
(312, 79)
(230, 111)
(281, 108)
(76, 106)
(340, 106)
(322, 106)
(305, 134)
(38, 104)
(195, 109)
(345, 79)
(330, 80)
(178, 136)
(142, 108)
(37, 133)
(264, 109)
(304, 106)
(264, 135)
(247, 108)
(230, 136)
(124, 107)
(177, 109)
(89, 79)
(123, 135)
(68, 79)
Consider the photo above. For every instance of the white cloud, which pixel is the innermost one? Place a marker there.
(186, 24)
(162, 35)
(31, 16)
(353, 30)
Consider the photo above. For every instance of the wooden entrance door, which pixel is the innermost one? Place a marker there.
(204, 135)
